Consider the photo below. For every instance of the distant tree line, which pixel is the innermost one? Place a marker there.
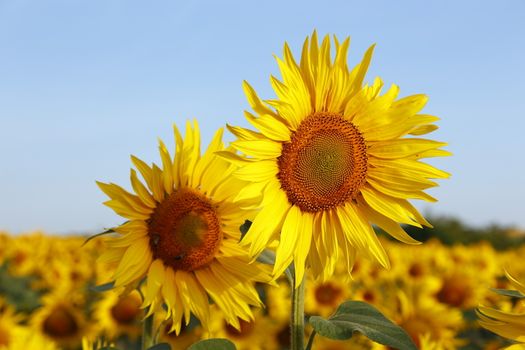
(450, 230)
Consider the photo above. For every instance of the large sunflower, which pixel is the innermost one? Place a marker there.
(183, 234)
(331, 157)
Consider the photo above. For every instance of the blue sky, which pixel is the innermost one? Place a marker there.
(84, 84)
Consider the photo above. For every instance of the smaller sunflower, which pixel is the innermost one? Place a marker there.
(119, 316)
(259, 333)
(423, 318)
(60, 320)
(509, 325)
(187, 336)
(182, 234)
(323, 297)
(10, 327)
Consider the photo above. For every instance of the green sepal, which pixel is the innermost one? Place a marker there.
(108, 231)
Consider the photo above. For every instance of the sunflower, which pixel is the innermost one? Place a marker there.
(506, 324)
(182, 234)
(10, 328)
(323, 297)
(259, 334)
(332, 157)
(31, 340)
(119, 315)
(182, 341)
(61, 320)
(423, 318)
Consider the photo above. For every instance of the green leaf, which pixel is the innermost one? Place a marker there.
(17, 290)
(103, 287)
(358, 316)
(160, 346)
(97, 235)
(508, 293)
(213, 344)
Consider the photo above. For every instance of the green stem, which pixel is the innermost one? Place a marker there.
(147, 333)
(298, 315)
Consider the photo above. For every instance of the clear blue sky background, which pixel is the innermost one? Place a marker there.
(83, 84)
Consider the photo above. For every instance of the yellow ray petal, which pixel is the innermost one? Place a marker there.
(390, 226)
(291, 229)
(263, 170)
(144, 170)
(387, 206)
(262, 149)
(254, 101)
(267, 223)
(141, 190)
(304, 238)
(167, 168)
(154, 281)
(270, 127)
(134, 263)
(402, 148)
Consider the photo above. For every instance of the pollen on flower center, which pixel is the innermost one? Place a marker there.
(324, 164)
(185, 231)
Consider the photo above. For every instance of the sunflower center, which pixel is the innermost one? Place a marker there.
(454, 292)
(324, 164)
(327, 294)
(416, 270)
(60, 323)
(126, 310)
(185, 231)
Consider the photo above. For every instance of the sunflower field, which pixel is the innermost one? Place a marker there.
(49, 299)
(299, 234)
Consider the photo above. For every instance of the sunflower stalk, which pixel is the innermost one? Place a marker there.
(148, 336)
(297, 326)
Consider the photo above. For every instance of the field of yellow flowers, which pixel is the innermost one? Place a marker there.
(49, 299)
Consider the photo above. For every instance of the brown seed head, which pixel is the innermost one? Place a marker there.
(185, 231)
(324, 164)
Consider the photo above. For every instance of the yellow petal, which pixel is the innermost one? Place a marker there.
(402, 148)
(262, 149)
(270, 127)
(292, 228)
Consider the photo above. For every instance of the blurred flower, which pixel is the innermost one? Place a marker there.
(61, 320)
(257, 334)
(119, 315)
(10, 328)
(506, 324)
(423, 318)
